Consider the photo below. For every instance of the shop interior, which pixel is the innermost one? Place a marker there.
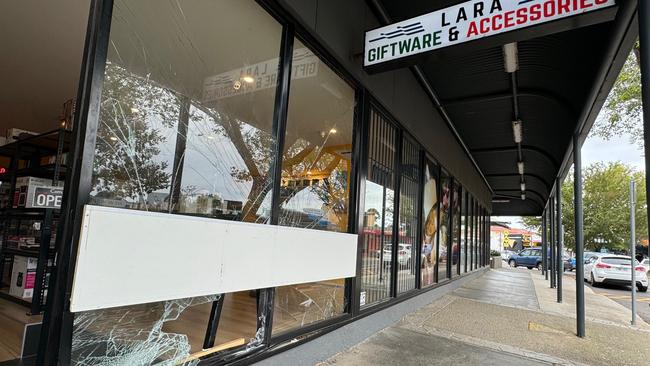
(42, 45)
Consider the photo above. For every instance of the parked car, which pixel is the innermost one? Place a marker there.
(528, 258)
(585, 256)
(569, 263)
(403, 254)
(615, 269)
(506, 254)
(646, 264)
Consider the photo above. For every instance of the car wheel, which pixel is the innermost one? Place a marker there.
(512, 263)
(642, 288)
(539, 266)
(529, 267)
(592, 281)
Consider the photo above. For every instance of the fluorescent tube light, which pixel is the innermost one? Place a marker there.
(520, 167)
(523, 186)
(523, 196)
(517, 131)
(510, 57)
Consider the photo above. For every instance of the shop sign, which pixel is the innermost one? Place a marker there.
(47, 197)
(466, 22)
(260, 76)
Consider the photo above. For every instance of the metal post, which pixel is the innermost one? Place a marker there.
(551, 210)
(644, 52)
(632, 248)
(544, 246)
(558, 236)
(580, 274)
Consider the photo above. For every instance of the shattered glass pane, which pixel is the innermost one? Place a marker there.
(300, 305)
(185, 127)
(134, 335)
(187, 113)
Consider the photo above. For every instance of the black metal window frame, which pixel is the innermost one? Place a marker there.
(56, 337)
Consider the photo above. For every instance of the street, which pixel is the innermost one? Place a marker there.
(621, 295)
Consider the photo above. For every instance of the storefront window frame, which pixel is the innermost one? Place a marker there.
(56, 342)
(59, 320)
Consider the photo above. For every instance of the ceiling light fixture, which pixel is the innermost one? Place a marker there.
(500, 200)
(249, 79)
(520, 167)
(517, 131)
(523, 196)
(333, 130)
(523, 186)
(510, 57)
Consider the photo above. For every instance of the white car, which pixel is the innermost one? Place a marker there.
(403, 254)
(614, 269)
(646, 264)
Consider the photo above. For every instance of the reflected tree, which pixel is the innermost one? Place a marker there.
(126, 144)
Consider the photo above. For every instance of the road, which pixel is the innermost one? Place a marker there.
(622, 295)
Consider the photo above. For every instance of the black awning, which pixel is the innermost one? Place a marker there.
(562, 81)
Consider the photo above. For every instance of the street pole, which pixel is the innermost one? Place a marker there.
(644, 53)
(558, 230)
(580, 264)
(632, 248)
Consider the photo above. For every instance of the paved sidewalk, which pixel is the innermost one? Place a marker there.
(506, 317)
(598, 308)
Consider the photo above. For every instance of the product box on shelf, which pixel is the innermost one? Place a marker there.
(32, 192)
(51, 159)
(14, 134)
(23, 276)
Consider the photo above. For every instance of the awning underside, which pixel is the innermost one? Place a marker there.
(557, 74)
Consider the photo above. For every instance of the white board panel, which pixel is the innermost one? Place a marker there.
(128, 257)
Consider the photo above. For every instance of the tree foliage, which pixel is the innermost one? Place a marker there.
(623, 109)
(606, 207)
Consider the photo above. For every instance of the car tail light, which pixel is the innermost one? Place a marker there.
(603, 265)
(639, 268)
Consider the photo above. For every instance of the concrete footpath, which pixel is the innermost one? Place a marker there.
(507, 317)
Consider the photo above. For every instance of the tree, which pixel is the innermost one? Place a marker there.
(532, 223)
(606, 207)
(126, 144)
(623, 109)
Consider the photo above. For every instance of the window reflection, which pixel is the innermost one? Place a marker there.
(185, 126)
(379, 208)
(444, 244)
(430, 220)
(315, 185)
(455, 226)
(408, 224)
(463, 231)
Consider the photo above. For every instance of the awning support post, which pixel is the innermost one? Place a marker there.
(551, 211)
(580, 275)
(558, 236)
(644, 52)
(544, 246)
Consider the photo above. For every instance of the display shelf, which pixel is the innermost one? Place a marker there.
(48, 142)
(4, 293)
(25, 157)
(24, 252)
(40, 170)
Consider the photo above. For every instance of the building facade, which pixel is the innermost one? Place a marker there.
(238, 184)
